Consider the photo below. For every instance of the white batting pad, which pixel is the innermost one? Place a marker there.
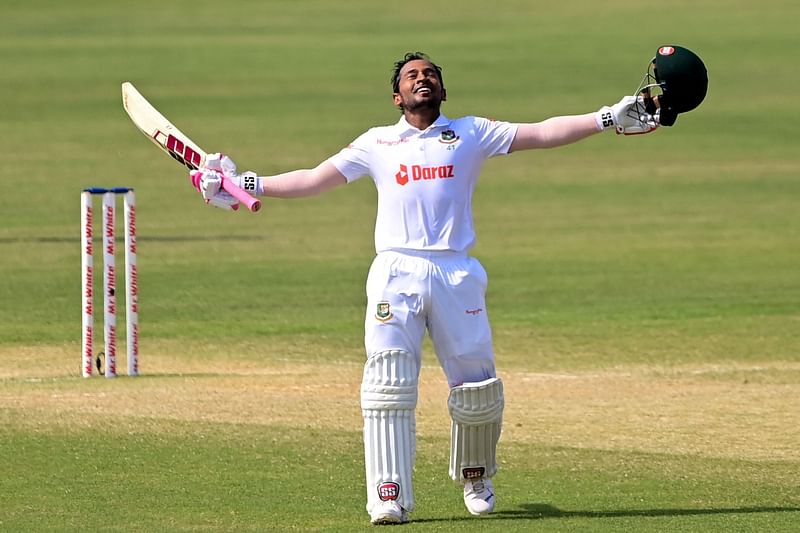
(477, 413)
(388, 400)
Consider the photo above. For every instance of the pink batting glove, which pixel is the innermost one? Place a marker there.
(209, 184)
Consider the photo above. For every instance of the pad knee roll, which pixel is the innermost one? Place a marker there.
(476, 410)
(388, 400)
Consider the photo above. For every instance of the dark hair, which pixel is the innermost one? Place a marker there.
(411, 56)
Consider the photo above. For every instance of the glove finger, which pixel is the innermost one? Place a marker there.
(228, 167)
(226, 207)
(212, 162)
(210, 183)
(224, 201)
(195, 177)
(221, 163)
(207, 182)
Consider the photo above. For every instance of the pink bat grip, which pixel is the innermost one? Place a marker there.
(253, 204)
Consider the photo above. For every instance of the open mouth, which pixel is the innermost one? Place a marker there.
(424, 91)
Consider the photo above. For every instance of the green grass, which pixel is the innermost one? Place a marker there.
(239, 478)
(643, 291)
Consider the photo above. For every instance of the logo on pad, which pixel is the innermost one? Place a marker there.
(473, 473)
(388, 491)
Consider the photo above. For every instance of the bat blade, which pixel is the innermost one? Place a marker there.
(173, 141)
(160, 130)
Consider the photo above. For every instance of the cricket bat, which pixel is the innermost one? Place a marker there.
(173, 141)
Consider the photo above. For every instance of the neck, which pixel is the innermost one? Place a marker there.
(421, 118)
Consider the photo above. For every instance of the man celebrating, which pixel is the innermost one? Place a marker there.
(425, 168)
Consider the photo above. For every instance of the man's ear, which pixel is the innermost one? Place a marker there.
(396, 99)
(444, 94)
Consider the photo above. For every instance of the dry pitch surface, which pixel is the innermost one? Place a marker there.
(716, 411)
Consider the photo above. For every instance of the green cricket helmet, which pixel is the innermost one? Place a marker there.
(676, 82)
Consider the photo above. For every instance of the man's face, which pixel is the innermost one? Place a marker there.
(419, 87)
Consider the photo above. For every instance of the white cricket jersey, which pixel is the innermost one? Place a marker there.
(425, 179)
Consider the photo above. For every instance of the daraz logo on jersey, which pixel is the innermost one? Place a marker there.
(419, 173)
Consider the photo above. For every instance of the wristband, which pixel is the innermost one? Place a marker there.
(252, 183)
(604, 118)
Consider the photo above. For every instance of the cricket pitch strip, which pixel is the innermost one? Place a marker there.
(734, 411)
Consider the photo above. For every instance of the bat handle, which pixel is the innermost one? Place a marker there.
(252, 203)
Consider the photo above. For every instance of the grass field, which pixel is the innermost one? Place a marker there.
(644, 292)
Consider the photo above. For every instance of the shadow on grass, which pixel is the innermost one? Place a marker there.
(540, 511)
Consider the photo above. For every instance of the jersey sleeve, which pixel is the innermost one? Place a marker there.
(353, 160)
(494, 137)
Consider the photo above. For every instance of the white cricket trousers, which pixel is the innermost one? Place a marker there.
(441, 292)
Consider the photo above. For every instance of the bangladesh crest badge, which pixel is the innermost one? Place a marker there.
(383, 312)
(448, 137)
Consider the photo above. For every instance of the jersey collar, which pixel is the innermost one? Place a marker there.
(403, 127)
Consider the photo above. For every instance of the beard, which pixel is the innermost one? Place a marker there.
(413, 105)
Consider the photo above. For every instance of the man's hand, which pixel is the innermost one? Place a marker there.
(209, 184)
(218, 165)
(628, 116)
(208, 181)
(221, 163)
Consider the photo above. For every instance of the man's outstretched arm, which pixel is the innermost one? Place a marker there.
(301, 183)
(208, 180)
(628, 116)
(556, 131)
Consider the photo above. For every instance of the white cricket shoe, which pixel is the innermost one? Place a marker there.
(479, 496)
(387, 513)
